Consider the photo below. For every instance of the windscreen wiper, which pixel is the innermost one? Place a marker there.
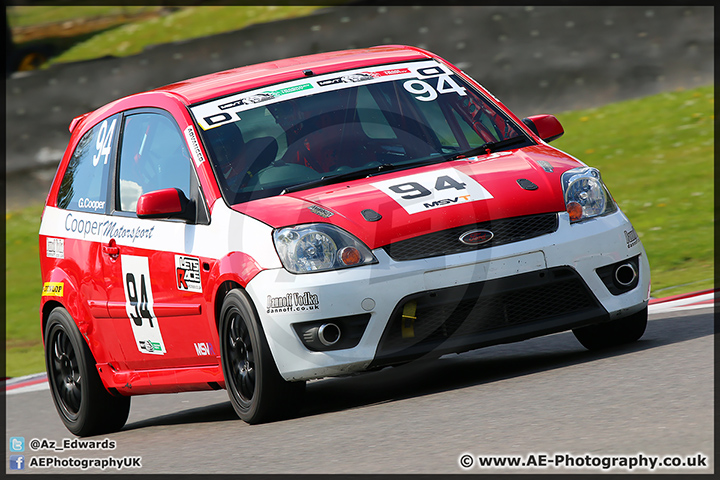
(490, 147)
(365, 172)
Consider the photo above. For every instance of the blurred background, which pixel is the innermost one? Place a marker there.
(633, 87)
(65, 61)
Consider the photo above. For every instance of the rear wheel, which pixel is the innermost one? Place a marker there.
(85, 407)
(616, 332)
(257, 391)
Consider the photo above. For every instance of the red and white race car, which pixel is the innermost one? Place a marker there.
(317, 216)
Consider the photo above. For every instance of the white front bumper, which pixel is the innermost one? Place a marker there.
(282, 298)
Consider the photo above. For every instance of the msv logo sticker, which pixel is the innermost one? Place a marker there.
(429, 190)
(204, 349)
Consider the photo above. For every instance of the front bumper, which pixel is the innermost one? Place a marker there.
(460, 302)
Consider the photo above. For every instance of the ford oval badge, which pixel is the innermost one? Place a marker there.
(476, 237)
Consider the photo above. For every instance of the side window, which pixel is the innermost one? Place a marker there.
(153, 156)
(84, 186)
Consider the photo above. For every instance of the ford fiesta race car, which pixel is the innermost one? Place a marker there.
(317, 216)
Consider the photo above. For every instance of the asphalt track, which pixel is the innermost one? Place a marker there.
(543, 396)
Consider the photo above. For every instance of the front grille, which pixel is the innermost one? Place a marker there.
(467, 316)
(447, 242)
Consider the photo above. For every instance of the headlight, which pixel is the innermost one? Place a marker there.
(319, 247)
(585, 194)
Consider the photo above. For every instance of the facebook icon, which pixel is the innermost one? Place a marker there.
(17, 462)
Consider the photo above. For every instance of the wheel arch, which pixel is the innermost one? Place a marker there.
(222, 291)
(69, 298)
(77, 307)
(48, 307)
(235, 270)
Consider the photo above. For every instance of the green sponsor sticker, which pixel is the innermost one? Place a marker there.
(285, 91)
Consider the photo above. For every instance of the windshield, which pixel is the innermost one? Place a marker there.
(265, 142)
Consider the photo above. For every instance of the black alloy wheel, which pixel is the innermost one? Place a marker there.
(85, 406)
(257, 391)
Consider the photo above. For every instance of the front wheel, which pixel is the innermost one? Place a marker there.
(257, 391)
(85, 407)
(613, 333)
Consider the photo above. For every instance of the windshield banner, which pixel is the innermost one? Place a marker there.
(425, 79)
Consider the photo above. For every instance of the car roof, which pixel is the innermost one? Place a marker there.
(214, 85)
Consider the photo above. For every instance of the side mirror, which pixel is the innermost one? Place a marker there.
(546, 127)
(165, 203)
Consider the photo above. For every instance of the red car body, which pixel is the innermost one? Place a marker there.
(89, 281)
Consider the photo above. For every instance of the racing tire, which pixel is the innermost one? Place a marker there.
(257, 392)
(85, 406)
(613, 333)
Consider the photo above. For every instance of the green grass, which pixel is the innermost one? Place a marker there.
(655, 154)
(184, 24)
(656, 157)
(25, 15)
(22, 279)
